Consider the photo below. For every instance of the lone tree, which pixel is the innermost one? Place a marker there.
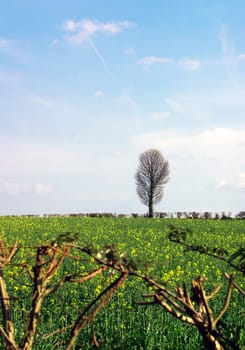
(151, 175)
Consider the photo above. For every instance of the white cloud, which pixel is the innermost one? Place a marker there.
(187, 63)
(230, 58)
(190, 64)
(212, 143)
(9, 78)
(40, 189)
(221, 183)
(160, 115)
(54, 42)
(4, 43)
(14, 189)
(227, 47)
(126, 101)
(176, 104)
(229, 55)
(237, 181)
(82, 31)
(99, 93)
(150, 60)
(241, 56)
(207, 154)
(20, 159)
(69, 25)
(223, 136)
(130, 51)
(11, 49)
(41, 101)
(242, 180)
(210, 104)
(206, 167)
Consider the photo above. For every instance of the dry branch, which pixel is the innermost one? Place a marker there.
(194, 309)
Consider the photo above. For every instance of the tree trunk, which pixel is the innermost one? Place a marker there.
(33, 320)
(210, 340)
(151, 214)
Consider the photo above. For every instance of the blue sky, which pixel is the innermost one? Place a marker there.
(87, 85)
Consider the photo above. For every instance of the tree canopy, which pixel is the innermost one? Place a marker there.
(152, 173)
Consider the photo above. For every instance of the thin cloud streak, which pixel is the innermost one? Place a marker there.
(80, 32)
(230, 58)
(187, 63)
(100, 57)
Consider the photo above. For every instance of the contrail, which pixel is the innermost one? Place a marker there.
(100, 57)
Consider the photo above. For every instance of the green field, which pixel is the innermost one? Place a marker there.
(122, 324)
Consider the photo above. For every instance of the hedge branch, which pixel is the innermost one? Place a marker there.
(83, 320)
(180, 305)
(6, 255)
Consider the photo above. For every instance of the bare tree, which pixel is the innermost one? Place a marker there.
(151, 175)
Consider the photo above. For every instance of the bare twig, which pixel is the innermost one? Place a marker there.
(240, 290)
(105, 295)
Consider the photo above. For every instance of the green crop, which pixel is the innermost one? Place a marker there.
(123, 324)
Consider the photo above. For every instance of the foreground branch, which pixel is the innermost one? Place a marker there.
(194, 308)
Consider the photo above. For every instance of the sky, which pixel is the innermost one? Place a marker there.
(86, 86)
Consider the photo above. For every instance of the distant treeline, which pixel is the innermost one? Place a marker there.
(180, 215)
